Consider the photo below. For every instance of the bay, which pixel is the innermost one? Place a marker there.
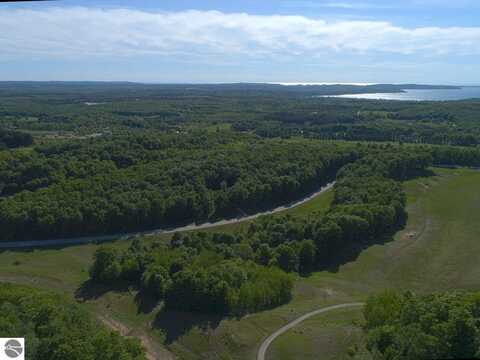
(467, 92)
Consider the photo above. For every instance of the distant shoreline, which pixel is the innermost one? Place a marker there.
(450, 94)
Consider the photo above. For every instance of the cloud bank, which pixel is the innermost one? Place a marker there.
(80, 32)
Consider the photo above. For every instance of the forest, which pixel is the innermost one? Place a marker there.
(436, 326)
(55, 328)
(65, 110)
(135, 182)
(14, 139)
(236, 274)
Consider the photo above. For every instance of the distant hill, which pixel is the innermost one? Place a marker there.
(138, 89)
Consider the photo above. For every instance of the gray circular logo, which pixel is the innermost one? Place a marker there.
(13, 349)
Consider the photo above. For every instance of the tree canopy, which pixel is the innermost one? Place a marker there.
(54, 328)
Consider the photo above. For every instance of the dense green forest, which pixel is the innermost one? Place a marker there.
(13, 139)
(134, 182)
(245, 272)
(139, 181)
(57, 329)
(437, 326)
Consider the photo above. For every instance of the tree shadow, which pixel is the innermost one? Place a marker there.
(174, 324)
(352, 251)
(90, 290)
(145, 302)
(421, 173)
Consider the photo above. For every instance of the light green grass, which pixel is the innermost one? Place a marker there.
(436, 251)
(330, 336)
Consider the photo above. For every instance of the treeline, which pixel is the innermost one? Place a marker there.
(134, 182)
(14, 139)
(56, 329)
(437, 326)
(137, 181)
(337, 127)
(455, 156)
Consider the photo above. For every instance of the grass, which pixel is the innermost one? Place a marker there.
(436, 251)
(330, 336)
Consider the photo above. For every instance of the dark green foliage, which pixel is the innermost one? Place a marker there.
(203, 275)
(128, 183)
(438, 326)
(106, 267)
(306, 256)
(156, 280)
(56, 329)
(286, 258)
(14, 139)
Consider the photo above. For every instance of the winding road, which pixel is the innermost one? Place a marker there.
(105, 238)
(266, 343)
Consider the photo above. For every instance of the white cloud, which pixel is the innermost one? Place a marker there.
(355, 6)
(80, 32)
(382, 4)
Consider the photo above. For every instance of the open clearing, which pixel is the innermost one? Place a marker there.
(438, 250)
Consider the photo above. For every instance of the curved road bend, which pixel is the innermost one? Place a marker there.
(266, 343)
(104, 238)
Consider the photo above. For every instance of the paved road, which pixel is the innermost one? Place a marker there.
(266, 343)
(104, 238)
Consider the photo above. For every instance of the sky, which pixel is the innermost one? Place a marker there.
(211, 41)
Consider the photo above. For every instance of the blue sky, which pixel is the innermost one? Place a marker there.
(372, 41)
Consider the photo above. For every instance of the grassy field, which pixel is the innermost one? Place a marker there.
(436, 251)
(332, 336)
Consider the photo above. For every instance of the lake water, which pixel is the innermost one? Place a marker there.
(468, 92)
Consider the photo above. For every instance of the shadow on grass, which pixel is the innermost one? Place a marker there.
(423, 173)
(145, 302)
(90, 290)
(350, 252)
(174, 324)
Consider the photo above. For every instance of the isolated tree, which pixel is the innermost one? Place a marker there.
(106, 266)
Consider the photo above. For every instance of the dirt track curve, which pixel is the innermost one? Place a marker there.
(266, 343)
